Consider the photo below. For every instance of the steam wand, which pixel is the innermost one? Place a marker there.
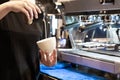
(44, 15)
(45, 23)
(117, 46)
(117, 32)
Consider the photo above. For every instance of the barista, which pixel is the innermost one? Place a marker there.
(19, 53)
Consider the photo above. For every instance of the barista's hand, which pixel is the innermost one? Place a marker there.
(25, 6)
(48, 59)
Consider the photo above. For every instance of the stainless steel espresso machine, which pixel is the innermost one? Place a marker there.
(94, 32)
(92, 28)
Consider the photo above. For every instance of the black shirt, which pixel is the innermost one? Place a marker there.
(19, 54)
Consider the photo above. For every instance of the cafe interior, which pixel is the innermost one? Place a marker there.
(88, 39)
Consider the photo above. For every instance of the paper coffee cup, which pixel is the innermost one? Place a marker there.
(47, 44)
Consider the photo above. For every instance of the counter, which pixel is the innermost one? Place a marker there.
(104, 62)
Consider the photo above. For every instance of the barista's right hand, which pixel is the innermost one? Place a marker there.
(25, 6)
(48, 59)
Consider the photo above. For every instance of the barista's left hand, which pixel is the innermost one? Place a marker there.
(35, 10)
(28, 7)
(48, 59)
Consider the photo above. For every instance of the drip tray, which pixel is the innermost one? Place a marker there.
(67, 73)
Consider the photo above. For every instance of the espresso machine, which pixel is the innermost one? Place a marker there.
(93, 28)
(94, 33)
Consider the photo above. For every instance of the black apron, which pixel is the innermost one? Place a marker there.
(19, 54)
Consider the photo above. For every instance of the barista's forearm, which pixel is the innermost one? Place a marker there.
(4, 10)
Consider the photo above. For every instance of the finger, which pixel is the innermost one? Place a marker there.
(30, 11)
(35, 13)
(52, 53)
(55, 51)
(47, 53)
(43, 56)
(41, 51)
(33, 7)
(38, 9)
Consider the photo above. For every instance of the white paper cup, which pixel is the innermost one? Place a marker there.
(47, 44)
